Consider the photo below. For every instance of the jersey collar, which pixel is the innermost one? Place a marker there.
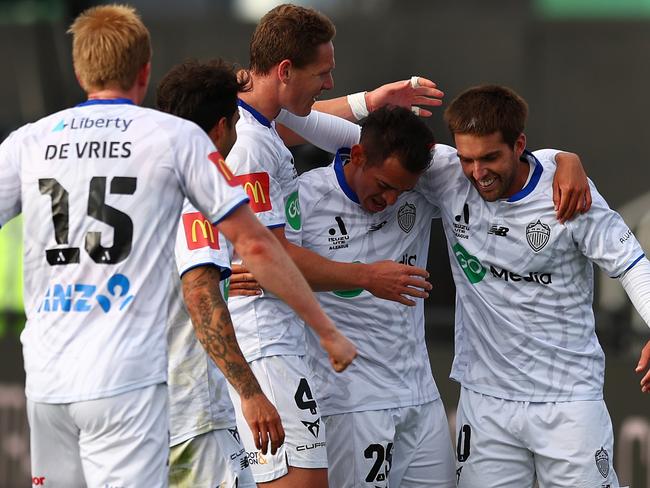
(534, 180)
(106, 101)
(342, 157)
(258, 116)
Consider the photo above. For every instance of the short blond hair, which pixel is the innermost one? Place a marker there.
(110, 45)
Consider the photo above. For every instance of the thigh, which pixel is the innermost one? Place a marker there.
(489, 449)
(54, 440)
(213, 459)
(360, 448)
(286, 381)
(573, 444)
(124, 439)
(423, 454)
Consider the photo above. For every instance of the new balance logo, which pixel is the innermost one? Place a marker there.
(312, 427)
(498, 231)
(376, 227)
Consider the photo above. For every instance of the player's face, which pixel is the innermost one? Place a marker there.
(494, 168)
(224, 133)
(379, 186)
(306, 84)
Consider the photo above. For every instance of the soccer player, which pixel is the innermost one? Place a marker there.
(527, 356)
(101, 186)
(291, 63)
(205, 448)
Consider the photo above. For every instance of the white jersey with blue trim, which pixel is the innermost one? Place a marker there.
(392, 367)
(524, 284)
(101, 187)
(259, 160)
(198, 394)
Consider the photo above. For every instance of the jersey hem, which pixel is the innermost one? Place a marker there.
(177, 439)
(532, 399)
(94, 396)
(380, 406)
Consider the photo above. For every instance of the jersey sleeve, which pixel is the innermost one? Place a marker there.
(325, 131)
(202, 180)
(252, 166)
(199, 243)
(440, 174)
(603, 236)
(10, 184)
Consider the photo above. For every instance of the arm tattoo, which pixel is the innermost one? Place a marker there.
(214, 328)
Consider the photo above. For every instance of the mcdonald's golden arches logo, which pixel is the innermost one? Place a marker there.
(199, 232)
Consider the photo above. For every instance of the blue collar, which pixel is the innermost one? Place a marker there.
(537, 174)
(260, 118)
(342, 156)
(106, 101)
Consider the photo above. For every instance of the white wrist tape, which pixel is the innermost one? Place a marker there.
(357, 102)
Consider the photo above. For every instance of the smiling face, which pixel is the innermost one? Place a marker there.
(302, 86)
(494, 168)
(377, 185)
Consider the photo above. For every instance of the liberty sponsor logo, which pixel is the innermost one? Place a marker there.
(461, 223)
(498, 230)
(339, 241)
(537, 235)
(89, 150)
(86, 123)
(471, 266)
(78, 297)
(256, 185)
(625, 236)
(199, 232)
(531, 277)
(406, 217)
(602, 461)
(292, 211)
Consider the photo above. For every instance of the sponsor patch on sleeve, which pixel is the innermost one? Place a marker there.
(199, 232)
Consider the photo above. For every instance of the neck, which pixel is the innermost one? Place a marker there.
(348, 173)
(110, 93)
(264, 96)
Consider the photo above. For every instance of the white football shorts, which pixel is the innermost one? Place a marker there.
(511, 444)
(119, 441)
(285, 380)
(407, 447)
(215, 459)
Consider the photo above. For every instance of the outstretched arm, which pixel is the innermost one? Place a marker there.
(214, 330)
(264, 256)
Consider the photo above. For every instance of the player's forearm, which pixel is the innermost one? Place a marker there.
(323, 274)
(323, 130)
(336, 106)
(265, 257)
(214, 328)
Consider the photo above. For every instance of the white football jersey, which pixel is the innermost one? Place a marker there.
(198, 394)
(261, 163)
(524, 284)
(101, 187)
(392, 367)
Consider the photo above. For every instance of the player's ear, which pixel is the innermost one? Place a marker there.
(284, 70)
(218, 131)
(358, 156)
(520, 145)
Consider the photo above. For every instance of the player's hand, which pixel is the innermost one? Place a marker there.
(644, 361)
(243, 283)
(571, 193)
(394, 281)
(408, 94)
(264, 422)
(340, 350)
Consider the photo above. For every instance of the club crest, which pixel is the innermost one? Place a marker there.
(537, 235)
(406, 217)
(602, 462)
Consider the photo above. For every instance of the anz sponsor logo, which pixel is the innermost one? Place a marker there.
(101, 123)
(79, 296)
(532, 277)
